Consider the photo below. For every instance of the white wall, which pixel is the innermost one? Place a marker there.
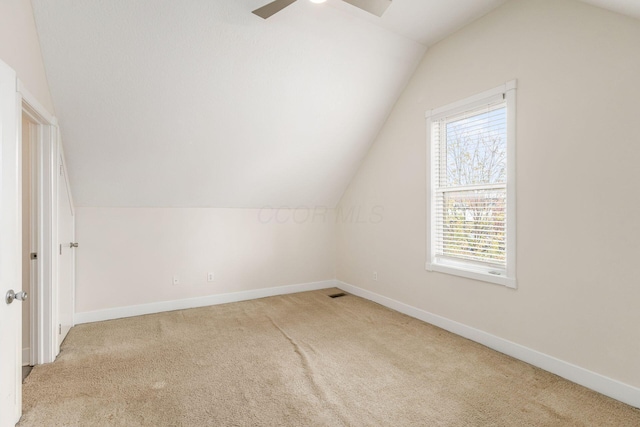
(20, 48)
(578, 151)
(128, 256)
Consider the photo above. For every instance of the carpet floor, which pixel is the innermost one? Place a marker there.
(297, 360)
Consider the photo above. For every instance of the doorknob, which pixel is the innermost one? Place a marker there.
(73, 245)
(20, 296)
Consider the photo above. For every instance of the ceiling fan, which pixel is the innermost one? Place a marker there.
(377, 7)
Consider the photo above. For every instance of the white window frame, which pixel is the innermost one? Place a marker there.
(506, 277)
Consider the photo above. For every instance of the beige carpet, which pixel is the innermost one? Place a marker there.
(297, 360)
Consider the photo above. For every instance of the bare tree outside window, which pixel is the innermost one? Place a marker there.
(476, 149)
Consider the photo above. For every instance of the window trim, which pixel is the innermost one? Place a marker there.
(460, 267)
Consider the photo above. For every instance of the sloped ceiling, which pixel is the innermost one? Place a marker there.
(201, 103)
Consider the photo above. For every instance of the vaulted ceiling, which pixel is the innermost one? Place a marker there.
(201, 103)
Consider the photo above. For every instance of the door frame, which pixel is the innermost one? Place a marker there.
(63, 179)
(44, 315)
(32, 243)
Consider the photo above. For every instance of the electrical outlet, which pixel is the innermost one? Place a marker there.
(210, 277)
(375, 275)
(176, 279)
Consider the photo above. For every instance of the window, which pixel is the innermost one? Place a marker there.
(471, 181)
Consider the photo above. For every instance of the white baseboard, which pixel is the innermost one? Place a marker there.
(158, 307)
(609, 387)
(26, 355)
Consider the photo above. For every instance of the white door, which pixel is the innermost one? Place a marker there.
(10, 251)
(66, 254)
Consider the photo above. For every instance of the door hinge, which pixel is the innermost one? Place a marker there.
(60, 169)
(59, 328)
(60, 248)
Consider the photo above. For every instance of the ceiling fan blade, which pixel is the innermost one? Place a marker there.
(272, 8)
(377, 7)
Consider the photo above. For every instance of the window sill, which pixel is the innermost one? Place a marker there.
(475, 274)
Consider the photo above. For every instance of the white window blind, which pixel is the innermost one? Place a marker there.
(471, 185)
(469, 203)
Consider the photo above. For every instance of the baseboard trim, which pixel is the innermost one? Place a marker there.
(158, 307)
(609, 387)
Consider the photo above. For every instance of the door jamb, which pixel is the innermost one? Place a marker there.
(44, 311)
(34, 233)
